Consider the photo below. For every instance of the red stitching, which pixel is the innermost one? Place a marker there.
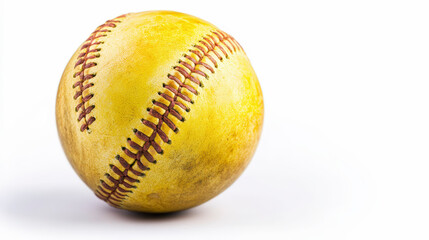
(114, 189)
(82, 60)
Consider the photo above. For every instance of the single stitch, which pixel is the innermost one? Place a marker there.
(82, 60)
(114, 189)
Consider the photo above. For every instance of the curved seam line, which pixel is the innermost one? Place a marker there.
(83, 82)
(115, 190)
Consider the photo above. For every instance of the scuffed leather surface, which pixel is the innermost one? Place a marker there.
(215, 142)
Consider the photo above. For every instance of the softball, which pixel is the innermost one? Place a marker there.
(159, 111)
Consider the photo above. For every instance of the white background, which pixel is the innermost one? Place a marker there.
(344, 151)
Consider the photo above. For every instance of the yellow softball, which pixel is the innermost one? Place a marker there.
(159, 111)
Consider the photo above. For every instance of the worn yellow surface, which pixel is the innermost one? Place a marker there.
(214, 143)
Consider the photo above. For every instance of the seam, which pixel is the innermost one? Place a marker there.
(173, 103)
(89, 52)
